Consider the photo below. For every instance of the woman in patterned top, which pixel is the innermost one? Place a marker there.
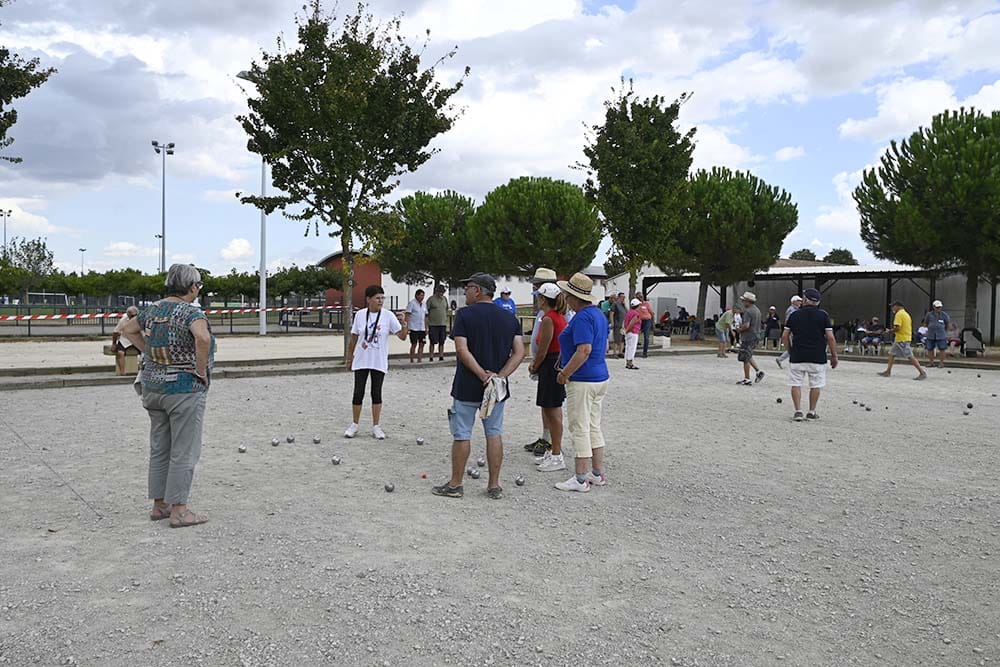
(178, 347)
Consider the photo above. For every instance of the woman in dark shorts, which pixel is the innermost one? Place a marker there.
(551, 394)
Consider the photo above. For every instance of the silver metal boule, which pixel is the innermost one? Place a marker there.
(420, 441)
(389, 487)
(290, 439)
(317, 440)
(243, 449)
(519, 480)
(474, 474)
(275, 442)
(336, 460)
(481, 462)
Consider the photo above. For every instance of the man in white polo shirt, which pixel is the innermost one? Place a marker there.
(416, 318)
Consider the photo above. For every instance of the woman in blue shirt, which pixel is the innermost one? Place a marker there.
(582, 345)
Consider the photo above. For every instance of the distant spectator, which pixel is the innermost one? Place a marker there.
(954, 339)
(795, 304)
(936, 341)
(646, 316)
(632, 326)
(505, 302)
(120, 343)
(723, 329)
(437, 321)
(873, 334)
(749, 338)
(902, 326)
(665, 322)
(618, 312)
(416, 319)
(772, 328)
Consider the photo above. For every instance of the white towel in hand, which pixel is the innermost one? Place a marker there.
(497, 391)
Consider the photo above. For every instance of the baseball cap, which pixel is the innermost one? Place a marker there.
(795, 298)
(505, 290)
(483, 280)
(937, 304)
(812, 294)
(549, 290)
(635, 302)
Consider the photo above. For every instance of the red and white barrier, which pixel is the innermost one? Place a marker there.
(213, 311)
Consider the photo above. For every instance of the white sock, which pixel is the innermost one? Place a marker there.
(546, 435)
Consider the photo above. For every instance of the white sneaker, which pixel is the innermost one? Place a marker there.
(544, 457)
(594, 480)
(553, 464)
(351, 431)
(377, 432)
(572, 484)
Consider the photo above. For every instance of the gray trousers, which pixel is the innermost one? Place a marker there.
(175, 423)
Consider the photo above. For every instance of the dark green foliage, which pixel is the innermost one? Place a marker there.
(934, 201)
(339, 119)
(733, 227)
(840, 256)
(638, 164)
(426, 237)
(805, 254)
(532, 222)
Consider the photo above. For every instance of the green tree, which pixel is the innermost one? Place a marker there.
(426, 237)
(804, 254)
(638, 164)
(935, 200)
(18, 77)
(339, 119)
(532, 222)
(35, 261)
(840, 256)
(734, 226)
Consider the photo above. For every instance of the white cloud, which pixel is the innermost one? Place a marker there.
(789, 153)
(220, 196)
(469, 19)
(237, 250)
(129, 249)
(182, 258)
(714, 148)
(902, 107)
(842, 217)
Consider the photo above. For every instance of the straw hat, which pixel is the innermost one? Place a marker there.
(543, 275)
(579, 286)
(749, 296)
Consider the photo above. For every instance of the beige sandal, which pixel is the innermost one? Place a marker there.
(181, 522)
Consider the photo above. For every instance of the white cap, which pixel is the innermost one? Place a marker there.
(796, 298)
(549, 290)
(505, 290)
(937, 304)
(635, 302)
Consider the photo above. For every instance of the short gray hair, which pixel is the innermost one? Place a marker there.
(132, 310)
(180, 278)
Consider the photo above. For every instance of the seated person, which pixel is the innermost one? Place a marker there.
(873, 334)
(665, 322)
(954, 339)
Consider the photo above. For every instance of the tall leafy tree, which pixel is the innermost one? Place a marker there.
(637, 169)
(426, 237)
(841, 256)
(339, 118)
(18, 77)
(35, 261)
(733, 227)
(803, 254)
(532, 222)
(934, 201)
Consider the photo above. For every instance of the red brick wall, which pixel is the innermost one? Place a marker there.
(365, 273)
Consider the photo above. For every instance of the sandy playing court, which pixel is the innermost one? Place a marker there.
(728, 535)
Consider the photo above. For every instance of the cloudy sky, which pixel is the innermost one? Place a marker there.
(804, 93)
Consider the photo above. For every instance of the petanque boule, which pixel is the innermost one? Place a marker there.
(420, 441)
(868, 409)
(336, 460)
(290, 439)
(778, 400)
(474, 474)
(275, 442)
(968, 405)
(482, 462)
(855, 402)
(519, 480)
(243, 449)
(317, 440)
(389, 487)
(861, 404)
(965, 412)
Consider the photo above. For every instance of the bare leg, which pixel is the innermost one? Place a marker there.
(459, 457)
(813, 399)
(376, 414)
(552, 418)
(916, 364)
(583, 465)
(888, 369)
(746, 370)
(356, 413)
(413, 349)
(119, 363)
(420, 352)
(598, 460)
(797, 398)
(494, 457)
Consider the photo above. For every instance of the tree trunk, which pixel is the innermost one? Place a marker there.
(347, 270)
(971, 295)
(702, 298)
(632, 279)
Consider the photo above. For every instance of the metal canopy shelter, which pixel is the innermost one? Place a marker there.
(825, 277)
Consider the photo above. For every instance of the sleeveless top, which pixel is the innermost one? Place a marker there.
(558, 324)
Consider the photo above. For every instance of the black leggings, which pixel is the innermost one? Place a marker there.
(361, 379)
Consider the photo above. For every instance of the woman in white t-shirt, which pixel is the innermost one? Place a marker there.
(372, 326)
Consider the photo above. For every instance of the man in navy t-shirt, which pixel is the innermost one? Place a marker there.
(807, 335)
(488, 344)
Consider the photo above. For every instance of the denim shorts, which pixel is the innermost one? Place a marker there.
(723, 335)
(463, 414)
(940, 344)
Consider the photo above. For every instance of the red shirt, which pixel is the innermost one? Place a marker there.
(558, 324)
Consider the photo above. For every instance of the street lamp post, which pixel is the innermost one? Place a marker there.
(6, 214)
(163, 150)
(159, 238)
(247, 76)
(82, 250)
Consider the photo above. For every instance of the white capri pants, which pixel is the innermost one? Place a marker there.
(584, 403)
(631, 345)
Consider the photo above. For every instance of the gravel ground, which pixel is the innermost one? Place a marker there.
(728, 534)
